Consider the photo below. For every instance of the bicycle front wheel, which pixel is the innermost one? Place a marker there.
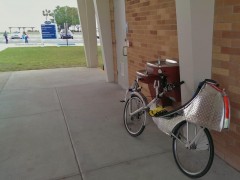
(196, 160)
(134, 124)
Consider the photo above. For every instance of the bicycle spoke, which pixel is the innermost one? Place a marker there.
(134, 123)
(194, 158)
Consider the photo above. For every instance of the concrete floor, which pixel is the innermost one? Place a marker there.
(67, 124)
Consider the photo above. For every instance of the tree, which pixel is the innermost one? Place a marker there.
(65, 15)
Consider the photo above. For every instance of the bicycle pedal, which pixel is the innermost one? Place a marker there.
(158, 111)
(161, 113)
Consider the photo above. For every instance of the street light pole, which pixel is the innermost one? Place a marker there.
(66, 25)
(46, 13)
(66, 31)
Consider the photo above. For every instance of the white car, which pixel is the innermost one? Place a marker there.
(64, 35)
(16, 35)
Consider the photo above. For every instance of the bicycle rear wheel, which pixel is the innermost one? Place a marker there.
(196, 160)
(134, 124)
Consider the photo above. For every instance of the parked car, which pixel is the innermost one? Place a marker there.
(64, 35)
(16, 35)
(97, 33)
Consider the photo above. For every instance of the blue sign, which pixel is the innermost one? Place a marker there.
(48, 31)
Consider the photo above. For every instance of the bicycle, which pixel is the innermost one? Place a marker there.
(188, 125)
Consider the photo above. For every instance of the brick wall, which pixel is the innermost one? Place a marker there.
(226, 70)
(152, 33)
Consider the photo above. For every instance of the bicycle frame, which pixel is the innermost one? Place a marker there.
(145, 107)
(188, 125)
(135, 88)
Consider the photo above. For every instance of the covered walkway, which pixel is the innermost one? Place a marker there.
(67, 124)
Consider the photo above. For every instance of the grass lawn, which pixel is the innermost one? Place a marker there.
(28, 58)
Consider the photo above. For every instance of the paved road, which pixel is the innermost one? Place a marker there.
(35, 39)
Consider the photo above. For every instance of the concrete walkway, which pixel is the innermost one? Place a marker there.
(67, 124)
(3, 47)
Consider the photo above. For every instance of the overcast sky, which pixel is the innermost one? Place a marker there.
(27, 12)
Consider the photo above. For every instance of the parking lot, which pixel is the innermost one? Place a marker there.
(35, 39)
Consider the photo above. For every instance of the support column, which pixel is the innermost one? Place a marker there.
(104, 22)
(87, 17)
(195, 32)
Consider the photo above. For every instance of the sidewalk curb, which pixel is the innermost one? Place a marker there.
(3, 47)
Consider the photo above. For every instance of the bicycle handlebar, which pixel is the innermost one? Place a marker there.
(170, 87)
(179, 84)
